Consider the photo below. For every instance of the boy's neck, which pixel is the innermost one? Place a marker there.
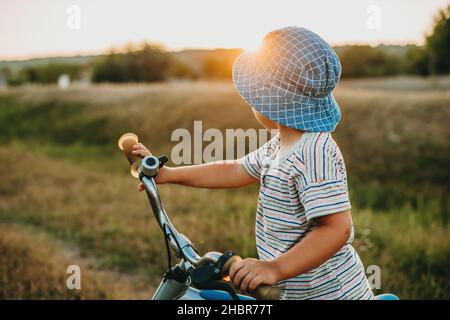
(288, 136)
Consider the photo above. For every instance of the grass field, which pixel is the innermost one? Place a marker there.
(66, 196)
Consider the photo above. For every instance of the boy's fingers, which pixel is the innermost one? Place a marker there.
(256, 281)
(140, 187)
(235, 267)
(246, 281)
(240, 276)
(139, 146)
(140, 149)
(142, 153)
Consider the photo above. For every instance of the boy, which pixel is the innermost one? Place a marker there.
(304, 227)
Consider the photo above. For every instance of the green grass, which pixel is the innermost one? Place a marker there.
(413, 255)
(61, 174)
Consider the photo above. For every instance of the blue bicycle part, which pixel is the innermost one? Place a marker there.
(386, 296)
(221, 295)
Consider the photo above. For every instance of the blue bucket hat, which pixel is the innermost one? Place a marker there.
(290, 80)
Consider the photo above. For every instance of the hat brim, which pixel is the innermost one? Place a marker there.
(302, 113)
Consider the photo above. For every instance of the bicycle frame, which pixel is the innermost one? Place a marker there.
(170, 289)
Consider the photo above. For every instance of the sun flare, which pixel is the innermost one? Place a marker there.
(253, 46)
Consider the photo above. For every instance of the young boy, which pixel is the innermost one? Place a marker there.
(304, 227)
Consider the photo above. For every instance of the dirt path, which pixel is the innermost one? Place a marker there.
(53, 254)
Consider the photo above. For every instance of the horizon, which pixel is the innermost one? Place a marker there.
(119, 47)
(197, 25)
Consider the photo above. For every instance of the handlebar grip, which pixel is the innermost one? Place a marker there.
(126, 143)
(266, 292)
(262, 292)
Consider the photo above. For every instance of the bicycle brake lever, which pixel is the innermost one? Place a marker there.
(210, 276)
(162, 160)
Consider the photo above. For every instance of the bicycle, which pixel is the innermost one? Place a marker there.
(194, 277)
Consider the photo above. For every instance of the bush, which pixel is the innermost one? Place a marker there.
(367, 61)
(416, 61)
(148, 64)
(47, 73)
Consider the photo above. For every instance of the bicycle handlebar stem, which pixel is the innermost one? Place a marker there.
(179, 242)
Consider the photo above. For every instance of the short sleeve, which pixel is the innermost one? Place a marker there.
(324, 188)
(253, 162)
(325, 198)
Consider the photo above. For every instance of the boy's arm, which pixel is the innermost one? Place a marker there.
(317, 247)
(219, 174)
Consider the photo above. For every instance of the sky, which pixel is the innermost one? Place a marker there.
(42, 28)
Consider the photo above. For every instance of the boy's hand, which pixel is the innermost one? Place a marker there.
(249, 273)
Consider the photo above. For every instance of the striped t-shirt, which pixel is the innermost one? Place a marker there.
(307, 182)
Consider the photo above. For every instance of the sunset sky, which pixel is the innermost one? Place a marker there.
(40, 28)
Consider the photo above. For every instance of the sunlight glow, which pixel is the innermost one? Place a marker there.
(253, 46)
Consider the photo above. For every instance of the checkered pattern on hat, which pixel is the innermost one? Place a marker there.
(290, 79)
